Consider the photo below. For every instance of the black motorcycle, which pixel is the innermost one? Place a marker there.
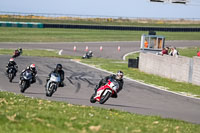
(87, 55)
(25, 80)
(11, 73)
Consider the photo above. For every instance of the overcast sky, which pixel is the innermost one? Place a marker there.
(123, 8)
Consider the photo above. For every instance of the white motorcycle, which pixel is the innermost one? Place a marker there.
(105, 91)
(52, 84)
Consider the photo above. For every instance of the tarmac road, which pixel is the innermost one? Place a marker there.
(135, 97)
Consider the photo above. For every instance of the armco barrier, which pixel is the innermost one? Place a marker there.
(181, 69)
(21, 24)
(98, 27)
(122, 28)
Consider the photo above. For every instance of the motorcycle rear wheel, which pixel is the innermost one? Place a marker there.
(50, 91)
(92, 100)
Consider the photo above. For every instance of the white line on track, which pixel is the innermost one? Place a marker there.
(124, 57)
(138, 81)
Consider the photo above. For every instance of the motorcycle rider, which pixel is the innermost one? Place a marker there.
(20, 50)
(33, 70)
(11, 64)
(17, 52)
(59, 71)
(89, 54)
(118, 77)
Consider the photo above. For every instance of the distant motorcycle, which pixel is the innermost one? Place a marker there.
(87, 55)
(25, 80)
(11, 73)
(17, 53)
(52, 84)
(105, 92)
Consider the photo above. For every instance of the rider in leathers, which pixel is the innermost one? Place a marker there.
(118, 77)
(33, 70)
(59, 71)
(13, 64)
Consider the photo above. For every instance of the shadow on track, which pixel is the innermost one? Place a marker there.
(67, 98)
(125, 106)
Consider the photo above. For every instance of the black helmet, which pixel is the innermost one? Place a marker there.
(58, 67)
(119, 75)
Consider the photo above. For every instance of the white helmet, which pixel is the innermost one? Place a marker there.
(32, 66)
(11, 59)
(119, 75)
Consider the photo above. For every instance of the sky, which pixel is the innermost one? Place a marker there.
(119, 8)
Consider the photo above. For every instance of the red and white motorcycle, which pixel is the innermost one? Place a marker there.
(105, 92)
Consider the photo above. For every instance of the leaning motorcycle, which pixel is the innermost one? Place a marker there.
(52, 84)
(87, 56)
(25, 80)
(17, 53)
(105, 92)
(11, 73)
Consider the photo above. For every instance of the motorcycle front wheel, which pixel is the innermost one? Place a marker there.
(23, 86)
(50, 91)
(105, 98)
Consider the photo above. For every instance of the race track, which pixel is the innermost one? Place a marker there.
(80, 81)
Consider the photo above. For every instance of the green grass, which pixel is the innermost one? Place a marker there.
(20, 114)
(11, 34)
(189, 52)
(38, 52)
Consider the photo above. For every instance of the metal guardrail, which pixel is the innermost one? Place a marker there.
(21, 24)
(99, 27)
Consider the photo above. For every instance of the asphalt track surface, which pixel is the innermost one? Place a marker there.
(80, 81)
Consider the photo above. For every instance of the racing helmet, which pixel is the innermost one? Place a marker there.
(58, 67)
(32, 67)
(11, 60)
(119, 75)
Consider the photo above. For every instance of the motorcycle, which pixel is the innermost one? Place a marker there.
(52, 84)
(105, 92)
(11, 73)
(17, 53)
(25, 80)
(87, 55)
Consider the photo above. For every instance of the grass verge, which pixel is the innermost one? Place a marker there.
(38, 52)
(11, 34)
(23, 114)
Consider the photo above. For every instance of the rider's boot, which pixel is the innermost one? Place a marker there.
(95, 89)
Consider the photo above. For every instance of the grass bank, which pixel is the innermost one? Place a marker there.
(11, 34)
(22, 114)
